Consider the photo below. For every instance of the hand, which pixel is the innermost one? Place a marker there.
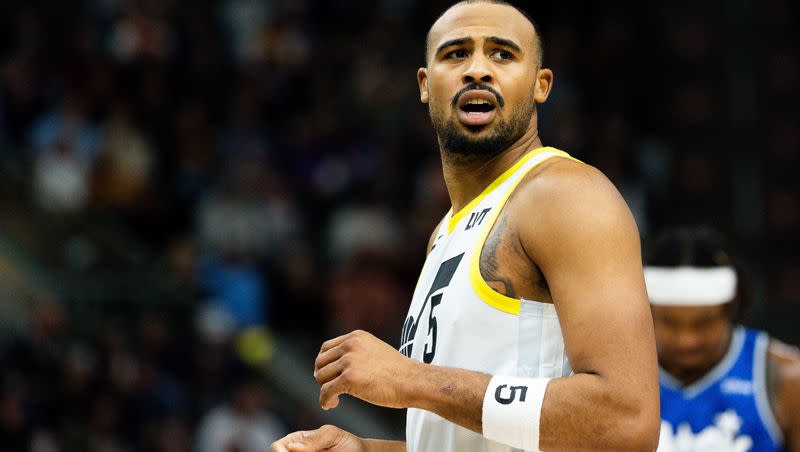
(327, 438)
(363, 366)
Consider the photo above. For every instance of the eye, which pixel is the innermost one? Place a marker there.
(456, 54)
(501, 54)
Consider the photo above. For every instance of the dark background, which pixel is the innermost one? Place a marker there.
(192, 192)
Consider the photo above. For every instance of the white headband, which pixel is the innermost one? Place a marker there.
(690, 286)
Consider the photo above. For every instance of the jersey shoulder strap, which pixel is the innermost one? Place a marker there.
(479, 285)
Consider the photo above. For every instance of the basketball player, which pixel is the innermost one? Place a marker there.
(529, 327)
(723, 387)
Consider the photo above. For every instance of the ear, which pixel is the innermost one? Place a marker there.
(422, 81)
(544, 83)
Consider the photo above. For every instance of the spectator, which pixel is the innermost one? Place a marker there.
(125, 166)
(64, 146)
(267, 163)
(140, 34)
(242, 423)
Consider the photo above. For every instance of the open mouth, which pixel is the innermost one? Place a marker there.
(477, 107)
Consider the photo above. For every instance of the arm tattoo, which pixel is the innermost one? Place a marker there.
(488, 263)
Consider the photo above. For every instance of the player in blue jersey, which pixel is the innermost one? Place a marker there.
(724, 387)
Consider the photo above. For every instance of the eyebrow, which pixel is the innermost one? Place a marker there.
(493, 39)
(453, 42)
(505, 43)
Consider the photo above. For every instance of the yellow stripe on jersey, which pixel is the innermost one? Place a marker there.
(479, 285)
(455, 219)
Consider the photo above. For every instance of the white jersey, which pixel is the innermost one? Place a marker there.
(457, 320)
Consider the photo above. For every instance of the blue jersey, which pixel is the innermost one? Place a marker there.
(727, 409)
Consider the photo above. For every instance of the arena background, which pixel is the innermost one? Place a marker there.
(194, 195)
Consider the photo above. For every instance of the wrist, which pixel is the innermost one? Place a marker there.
(379, 445)
(411, 387)
(511, 411)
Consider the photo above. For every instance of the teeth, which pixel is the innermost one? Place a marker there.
(477, 102)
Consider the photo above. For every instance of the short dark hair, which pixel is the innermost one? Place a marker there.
(700, 246)
(536, 29)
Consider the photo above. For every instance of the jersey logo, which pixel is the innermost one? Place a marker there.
(476, 218)
(498, 394)
(723, 435)
(737, 386)
(443, 277)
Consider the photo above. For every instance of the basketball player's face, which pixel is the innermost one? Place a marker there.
(481, 82)
(691, 340)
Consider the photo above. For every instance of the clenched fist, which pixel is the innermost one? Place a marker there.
(363, 366)
(327, 438)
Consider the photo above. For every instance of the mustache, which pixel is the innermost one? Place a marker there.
(479, 87)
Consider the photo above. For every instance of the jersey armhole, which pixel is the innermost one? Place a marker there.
(429, 248)
(479, 285)
(437, 232)
(763, 406)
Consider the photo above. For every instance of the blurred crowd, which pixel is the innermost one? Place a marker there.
(132, 387)
(274, 159)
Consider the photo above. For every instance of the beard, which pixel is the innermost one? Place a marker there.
(467, 141)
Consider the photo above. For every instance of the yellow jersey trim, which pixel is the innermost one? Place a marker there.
(455, 219)
(479, 285)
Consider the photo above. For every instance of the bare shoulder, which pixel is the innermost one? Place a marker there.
(783, 382)
(567, 198)
(561, 179)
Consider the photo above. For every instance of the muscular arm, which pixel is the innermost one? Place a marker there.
(586, 244)
(783, 387)
(584, 240)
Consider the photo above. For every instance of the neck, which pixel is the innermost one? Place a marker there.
(467, 177)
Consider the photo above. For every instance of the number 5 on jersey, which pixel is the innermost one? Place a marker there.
(443, 277)
(429, 354)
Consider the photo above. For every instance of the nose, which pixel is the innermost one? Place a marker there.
(478, 71)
